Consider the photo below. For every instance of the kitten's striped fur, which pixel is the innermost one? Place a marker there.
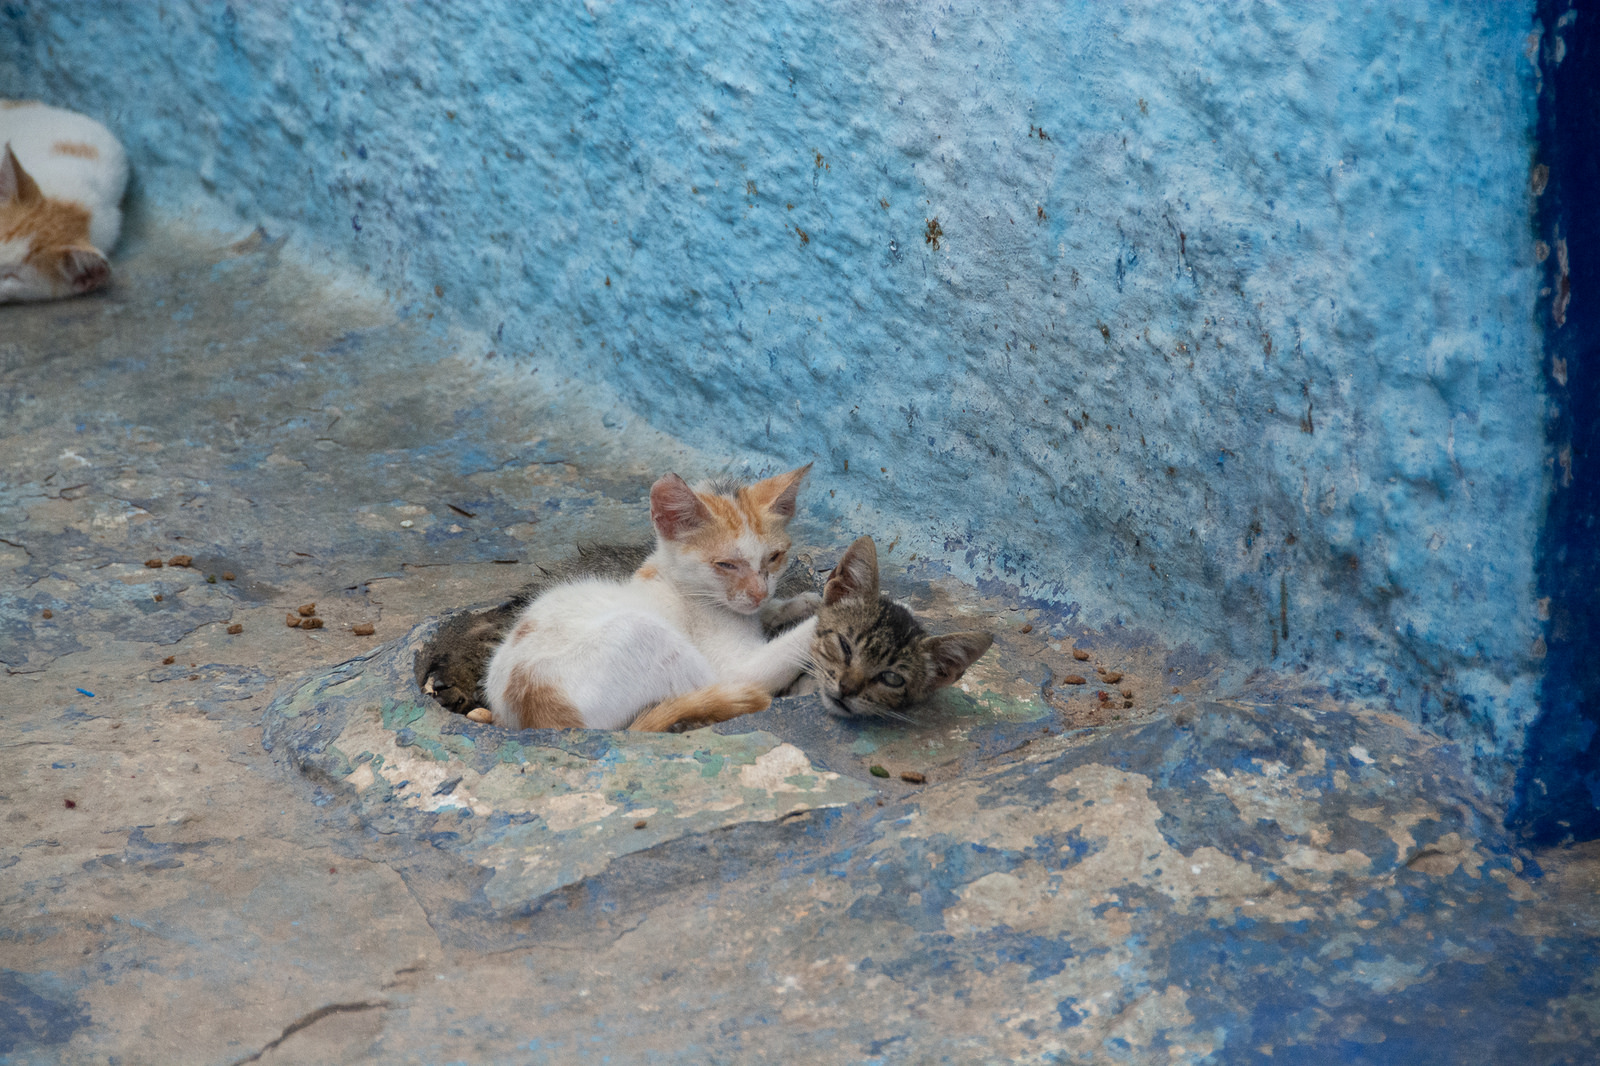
(870, 656)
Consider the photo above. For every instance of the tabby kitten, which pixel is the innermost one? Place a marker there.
(870, 656)
(680, 640)
(62, 177)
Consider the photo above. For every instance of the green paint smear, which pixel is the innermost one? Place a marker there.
(399, 715)
(710, 765)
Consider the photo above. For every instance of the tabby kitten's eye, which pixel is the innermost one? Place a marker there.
(844, 649)
(890, 678)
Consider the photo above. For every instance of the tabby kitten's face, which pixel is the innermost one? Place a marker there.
(870, 657)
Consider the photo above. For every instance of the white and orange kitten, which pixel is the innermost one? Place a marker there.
(681, 640)
(62, 176)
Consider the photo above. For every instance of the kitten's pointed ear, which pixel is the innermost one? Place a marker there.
(15, 183)
(85, 269)
(675, 509)
(776, 495)
(952, 654)
(855, 574)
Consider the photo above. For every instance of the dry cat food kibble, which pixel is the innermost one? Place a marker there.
(1080, 655)
(363, 629)
(912, 777)
(1127, 693)
(1074, 679)
(311, 623)
(47, 613)
(227, 575)
(292, 621)
(154, 564)
(1113, 677)
(479, 714)
(169, 660)
(877, 771)
(236, 629)
(1028, 628)
(180, 560)
(159, 597)
(307, 610)
(640, 824)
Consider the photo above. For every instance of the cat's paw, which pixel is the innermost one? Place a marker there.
(780, 613)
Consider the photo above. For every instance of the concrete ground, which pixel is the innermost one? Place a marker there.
(225, 847)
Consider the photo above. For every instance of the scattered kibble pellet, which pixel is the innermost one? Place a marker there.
(1028, 628)
(311, 623)
(912, 777)
(1074, 679)
(1127, 693)
(1080, 655)
(640, 824)
(292, 621)
(180, 560)
(877, 771)
(1174, 690)
(363, 629)
(194, 677)
(227, 575)
(235, 629)
(69, 804)
(47, 613)
(169, 660)
(211, 579)
(479, 714)
(159, 597)
(307, 610)
(1113, 677)
(1126, 704)
(154, 564)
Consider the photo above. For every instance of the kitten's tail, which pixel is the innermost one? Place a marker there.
(714, 703)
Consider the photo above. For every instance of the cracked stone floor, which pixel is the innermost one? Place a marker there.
(1190, 881)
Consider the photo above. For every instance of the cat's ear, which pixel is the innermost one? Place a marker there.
(15, 183)
(85, 269)
(855, 574)
(675, 509)
(776, 495)
(953, 653)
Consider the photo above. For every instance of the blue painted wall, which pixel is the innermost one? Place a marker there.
(1558, 789)
(1217, 321)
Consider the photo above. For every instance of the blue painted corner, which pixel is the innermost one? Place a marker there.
(1558, 788)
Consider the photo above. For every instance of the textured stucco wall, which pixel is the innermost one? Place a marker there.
(1228, 331)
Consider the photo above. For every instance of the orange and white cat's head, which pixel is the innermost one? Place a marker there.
(725, 544)
(44, 243)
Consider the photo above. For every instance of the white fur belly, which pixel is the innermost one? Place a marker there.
(610, 650)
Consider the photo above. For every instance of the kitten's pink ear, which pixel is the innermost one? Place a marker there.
(15, 183)
(952, 654)
(675, 509)
(85, 269)
(855, 574)
(776, 495)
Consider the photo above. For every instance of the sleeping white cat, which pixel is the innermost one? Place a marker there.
(62, 176)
